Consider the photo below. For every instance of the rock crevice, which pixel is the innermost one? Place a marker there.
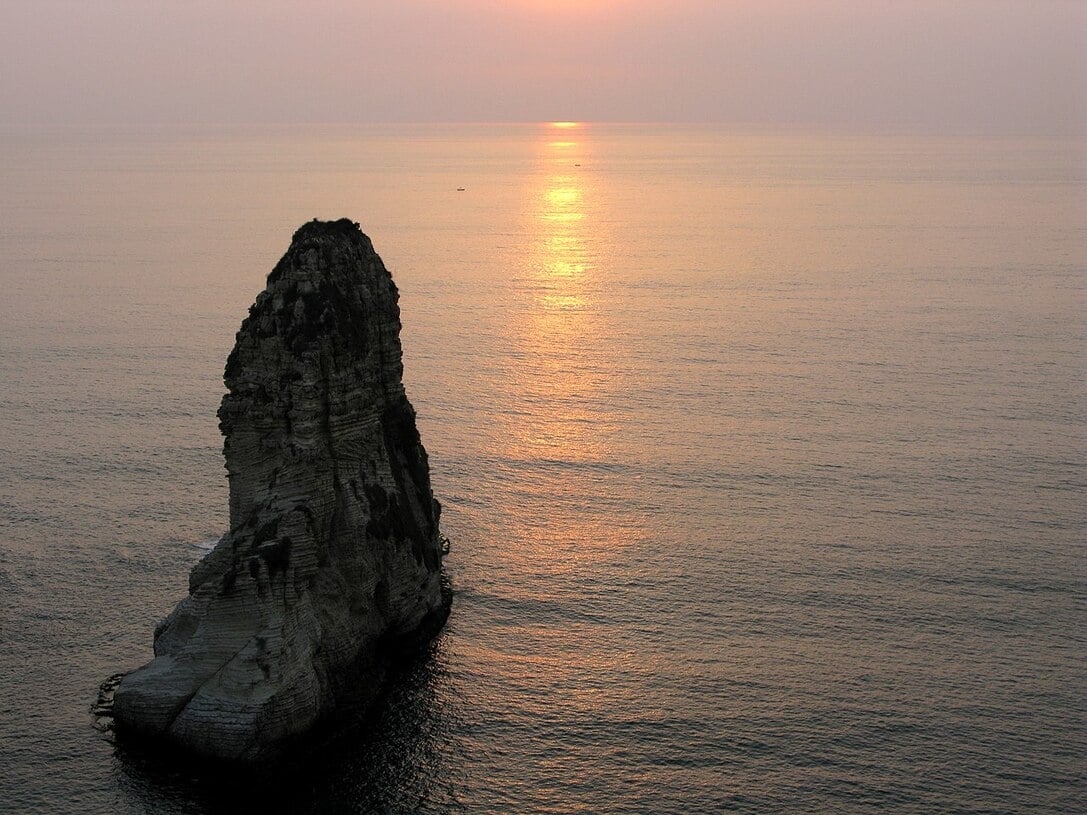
(334, 550)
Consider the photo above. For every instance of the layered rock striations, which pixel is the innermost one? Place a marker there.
(333, 555)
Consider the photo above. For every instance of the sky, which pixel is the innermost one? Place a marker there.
(962, 65)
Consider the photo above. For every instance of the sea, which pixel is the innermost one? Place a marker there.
(762, 454)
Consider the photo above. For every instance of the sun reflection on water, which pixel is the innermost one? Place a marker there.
(561, 334)
(560, 423)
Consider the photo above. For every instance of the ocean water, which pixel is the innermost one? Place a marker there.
(762, 455)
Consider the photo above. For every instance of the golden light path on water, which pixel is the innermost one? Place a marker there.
(560, 329)
(568, 374)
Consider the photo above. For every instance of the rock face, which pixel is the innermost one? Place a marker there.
(333, 555)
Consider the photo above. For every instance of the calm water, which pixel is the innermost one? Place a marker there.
(763, 457)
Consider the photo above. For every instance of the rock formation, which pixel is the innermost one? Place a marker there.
(333, 555)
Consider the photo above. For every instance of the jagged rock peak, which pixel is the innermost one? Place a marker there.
(334, 551)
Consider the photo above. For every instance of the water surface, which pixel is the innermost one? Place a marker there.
(762, 455)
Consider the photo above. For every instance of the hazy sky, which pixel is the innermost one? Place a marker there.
(955, 64)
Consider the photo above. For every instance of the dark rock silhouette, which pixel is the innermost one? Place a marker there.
(333, 557)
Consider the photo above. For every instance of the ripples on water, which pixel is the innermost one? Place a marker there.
(762, 457)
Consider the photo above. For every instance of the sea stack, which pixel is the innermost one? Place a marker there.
(333, 558)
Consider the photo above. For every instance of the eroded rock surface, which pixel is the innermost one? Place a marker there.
(333, 554)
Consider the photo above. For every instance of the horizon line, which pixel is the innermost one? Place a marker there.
(920, 128)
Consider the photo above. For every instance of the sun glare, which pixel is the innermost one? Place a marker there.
(565, 6)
